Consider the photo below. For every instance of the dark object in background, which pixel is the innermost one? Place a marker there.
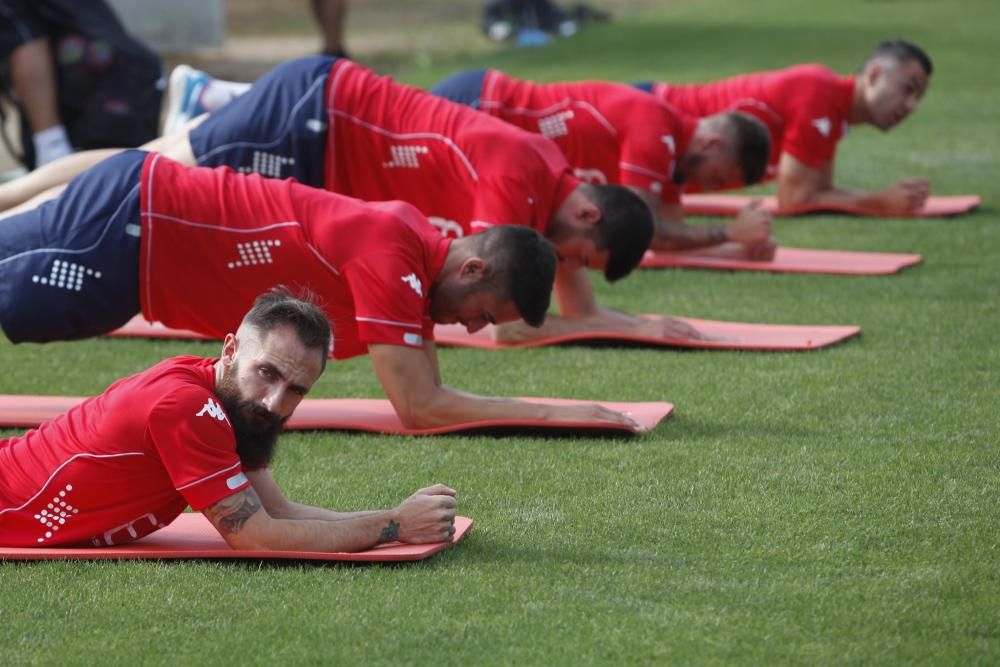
(109, 84)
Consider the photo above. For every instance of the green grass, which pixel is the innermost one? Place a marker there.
(830, 507)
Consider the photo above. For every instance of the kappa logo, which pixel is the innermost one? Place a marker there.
(447, 227)
(669, 141)
(214, 410)
(414, 283)
(822, 125)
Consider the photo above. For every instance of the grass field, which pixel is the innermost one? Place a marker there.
(833, 507)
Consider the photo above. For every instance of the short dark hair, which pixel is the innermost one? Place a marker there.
(901, 51)
(522, 263)
(751, 143)
(300, 310)
(625, 229)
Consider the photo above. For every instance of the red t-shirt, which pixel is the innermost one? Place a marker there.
(464, 170)
(213, 240)
(609, 132)
(805, 107)
(122, 464)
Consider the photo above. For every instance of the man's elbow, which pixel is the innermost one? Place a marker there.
(793, 197)
(417, 412)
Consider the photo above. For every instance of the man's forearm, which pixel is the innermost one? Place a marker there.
(681, 236)
(299, 511)
(829, 196)
(244, 524)
(445, 406)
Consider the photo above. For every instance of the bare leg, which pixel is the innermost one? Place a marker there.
(57, 172)
(330, 16)
(35, 201)
(175, 146)
(34, 80)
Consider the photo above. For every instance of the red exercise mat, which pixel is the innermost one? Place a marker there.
(716, 204)
(364, 414)
(735, 335)
(790, 260)
(192, 536)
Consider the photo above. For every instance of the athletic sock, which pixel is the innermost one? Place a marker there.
(51, 144)
(218, 93)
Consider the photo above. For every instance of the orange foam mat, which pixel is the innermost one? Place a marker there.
(721, 204)
(724, 336)
(192, 536)
(791, 260)
(369, 414)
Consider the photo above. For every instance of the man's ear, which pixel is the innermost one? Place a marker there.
(230, 346)
(873, 72)
(472, 268)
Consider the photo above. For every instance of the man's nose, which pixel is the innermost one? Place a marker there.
(274, 401)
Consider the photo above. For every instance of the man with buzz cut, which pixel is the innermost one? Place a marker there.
(330, 123)
(191, 247)
(612, 133)
(198, 432)
(808, 109)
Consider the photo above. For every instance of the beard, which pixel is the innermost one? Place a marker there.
(685, 167)
(255, 428)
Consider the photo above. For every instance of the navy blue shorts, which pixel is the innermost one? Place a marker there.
(278, 128)
(644, 86)
(463, 88)
(70, 268)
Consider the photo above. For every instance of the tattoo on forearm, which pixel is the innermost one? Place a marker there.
(390, 533)
(717, 234)
(232, 513)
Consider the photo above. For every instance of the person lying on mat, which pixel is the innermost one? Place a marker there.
(808, 109)
(198, 432)
(613, 133)
(192, 246)
(333, 124)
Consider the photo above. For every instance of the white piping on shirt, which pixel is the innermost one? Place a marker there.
(63, 465)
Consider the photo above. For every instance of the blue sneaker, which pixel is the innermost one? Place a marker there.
(184, 97)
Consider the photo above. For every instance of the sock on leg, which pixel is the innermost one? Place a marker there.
(51, 144)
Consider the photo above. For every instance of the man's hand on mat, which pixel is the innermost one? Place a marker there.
(593, 412)
(668, 327)
(905, 196)
(509, 333)
(426, 516)
(762, 251)
(753, 225)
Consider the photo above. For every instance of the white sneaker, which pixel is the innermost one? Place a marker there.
(184, 97)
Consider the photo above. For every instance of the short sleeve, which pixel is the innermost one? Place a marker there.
(195, 441)
(648, 154)
(501, 201)
(813, 132)
(390, 296)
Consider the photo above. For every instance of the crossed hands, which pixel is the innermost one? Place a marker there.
(753, 228)
(427, 516)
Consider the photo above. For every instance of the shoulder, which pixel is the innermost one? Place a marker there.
(181, 386)
(810, 74)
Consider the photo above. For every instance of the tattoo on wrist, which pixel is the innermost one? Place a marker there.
(717, 234)
(390, 533)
